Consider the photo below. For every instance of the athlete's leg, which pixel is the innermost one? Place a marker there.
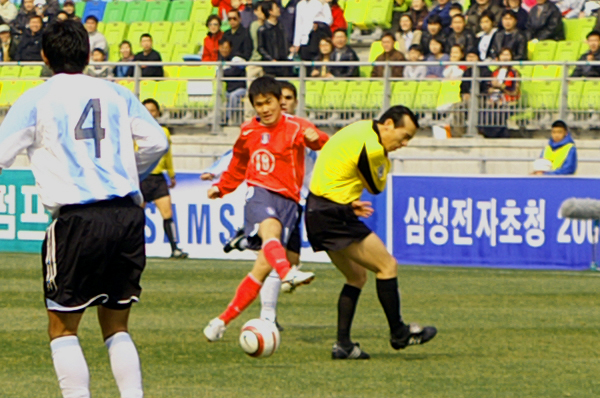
(124, 358)
(67, 356)
(166, 211)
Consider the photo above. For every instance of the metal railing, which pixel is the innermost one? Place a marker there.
(335, 102)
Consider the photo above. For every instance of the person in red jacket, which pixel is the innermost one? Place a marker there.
(210, 49)
(269, 156)
(339, 22)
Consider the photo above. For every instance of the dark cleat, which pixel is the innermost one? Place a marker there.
(235, 242)
(178, 254)
(414, 334)
(279, 327)
(337, 352)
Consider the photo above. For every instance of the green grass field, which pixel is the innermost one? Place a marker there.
(501, 334)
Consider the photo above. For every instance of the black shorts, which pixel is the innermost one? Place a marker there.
(331, 226)
(262, 204)
(94, 254)
(154, 187)
(295, 241)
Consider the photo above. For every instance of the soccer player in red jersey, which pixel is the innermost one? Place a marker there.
(269, 156)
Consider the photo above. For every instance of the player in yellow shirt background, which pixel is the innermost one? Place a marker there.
(155, 188)
(355, 158)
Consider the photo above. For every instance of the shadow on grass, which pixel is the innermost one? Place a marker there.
(419, 357)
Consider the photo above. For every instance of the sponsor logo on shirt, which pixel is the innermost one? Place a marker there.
(265, 139)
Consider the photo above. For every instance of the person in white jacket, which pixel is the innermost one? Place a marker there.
(313, 18)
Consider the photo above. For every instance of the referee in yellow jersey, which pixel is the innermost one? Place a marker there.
(355, 158)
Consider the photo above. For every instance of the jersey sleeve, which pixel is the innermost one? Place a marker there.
(236, 172)
(17, 131)
(318, 144)
(149, 136)
(169, 155)
(220, 166)
(373, 167)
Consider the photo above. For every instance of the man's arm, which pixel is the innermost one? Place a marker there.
(17, 131)
(262, 50)
(236, 171)
(247, 46)
(313, 137)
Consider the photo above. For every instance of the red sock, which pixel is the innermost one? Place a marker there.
(276, 256)
(244, 296)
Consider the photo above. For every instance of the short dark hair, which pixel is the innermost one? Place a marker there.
(509, 12)
(459, 16)
(266, 7)
(236, 11)
(62, 12)
(415, 47)
(457, 6)
(434, 19)
(442, 44)
(66, 46)
(125, 42)
(512, 54)
(213, 18)
(153, 102)
(99, 50)
(145, 35)
(475, 51)
(264, 86)
(560, 124)
(396, 113)
(593, 33)
(344, 31)
(93, 18)
(36, 17)
(489, 15)
(388, 34)
(225, 40)
(289, 86)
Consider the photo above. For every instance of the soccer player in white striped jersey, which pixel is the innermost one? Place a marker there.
(79, 134)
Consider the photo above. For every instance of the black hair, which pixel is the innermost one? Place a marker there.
(416, 47)
(512, 55)
(264, 86)
(475, 51)
(213, 18)
(289, 86)
(266, 7)
(344, 31)
(37, 17)
(561, 124)
(153, 102)
(99, 50)
(509, 12)
(93, 18)
(225, 40)
(459, 16)
(145, 35)
(396, 113)
(62, 12)
(593, 33)
(443, 45)
(457, 6)
(388, 34)
(66, 46)
(236, 11)
(125, 42)
(434, 19)
(412, 21)
(488, 14)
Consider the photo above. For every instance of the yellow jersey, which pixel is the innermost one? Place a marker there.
(353, 159)
(166, 162)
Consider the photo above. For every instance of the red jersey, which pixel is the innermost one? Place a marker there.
(271, 157)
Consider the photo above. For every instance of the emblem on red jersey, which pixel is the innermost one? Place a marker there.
(265, 139)
(264, 161)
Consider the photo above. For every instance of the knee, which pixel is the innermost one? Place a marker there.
(389, 267)
(358, 281)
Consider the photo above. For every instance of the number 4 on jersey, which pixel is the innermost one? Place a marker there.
(96, 132)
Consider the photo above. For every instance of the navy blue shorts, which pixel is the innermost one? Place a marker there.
(262, 204)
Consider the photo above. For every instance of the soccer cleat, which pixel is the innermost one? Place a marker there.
(214, 330)
(337, 352)
(279, 327)
(414, 334)
(235, 242)
(295, 278)
(179, 254)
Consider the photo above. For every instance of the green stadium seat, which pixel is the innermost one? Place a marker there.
(136, 30)
(135, 11)
(180, 50)
(200, 11)
(404, 92)
(590, 95)
(147, 89)
(11, 91)
(114, 32)
(199, 72)
(544, 51)
(449, 93)
(160, 31)
(586, 25)
(572, 29)
(427, 95)
(524, 71)
(171, 71)
(115, 11)
(156, 11)
(546, 71)
(375, 98)
(165, 50)
(567, 51)
(100, 27)
(166, 93)
(357, 93)
(575, 88)
(181, 32)
(10, 71)
(543, 95)
(530, 49)
(334, 94)
(199, 33)
(583, 49)
(356, 12)
(31, 71)
(379, 13)
(128, 84)
(180, 11)
(31, 84)
(79, 8)
(197, 95)
(314, 92)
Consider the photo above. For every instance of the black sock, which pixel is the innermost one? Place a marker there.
(346, 307)
(389, 297)
(170, 231)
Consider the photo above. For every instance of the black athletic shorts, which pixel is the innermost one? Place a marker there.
(295, 241)
(94, 254)
(331, 226)
(154, 187)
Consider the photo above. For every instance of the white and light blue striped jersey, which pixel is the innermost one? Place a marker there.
(79, 135)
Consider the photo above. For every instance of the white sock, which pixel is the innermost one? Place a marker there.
(70, 366)
(125, 364)
(269, 293)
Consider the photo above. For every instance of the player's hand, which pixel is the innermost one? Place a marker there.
(173, 183)
(362, 209)
(311, 135)
(207, 177)
(213, 192)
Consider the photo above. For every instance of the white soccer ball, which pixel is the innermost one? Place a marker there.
(259, 338)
